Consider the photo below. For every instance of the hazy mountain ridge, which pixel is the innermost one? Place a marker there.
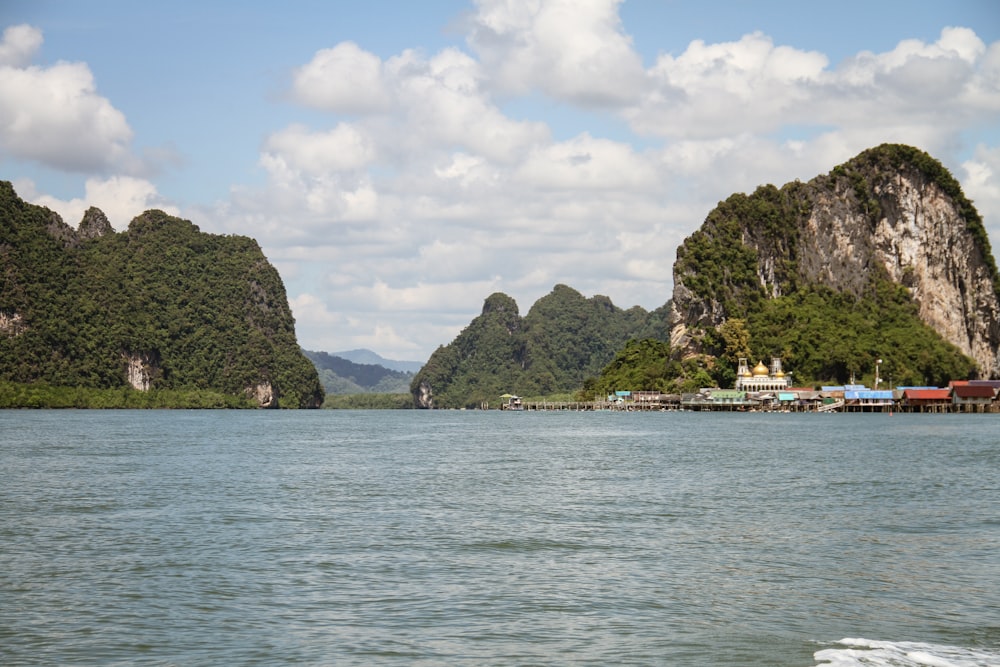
(342, 376)
(364, 356)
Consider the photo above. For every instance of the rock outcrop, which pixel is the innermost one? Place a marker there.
(264, 395)
(892, 212)
(140, 368)
(11, 324)
(94, 224)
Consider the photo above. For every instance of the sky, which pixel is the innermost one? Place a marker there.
(398, 162)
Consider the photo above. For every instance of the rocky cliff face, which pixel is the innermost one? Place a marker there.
(140, 368)
(891, 212)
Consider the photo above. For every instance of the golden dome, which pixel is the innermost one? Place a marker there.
(779, 374)
(760, 370)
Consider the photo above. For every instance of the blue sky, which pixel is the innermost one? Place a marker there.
(399, 162)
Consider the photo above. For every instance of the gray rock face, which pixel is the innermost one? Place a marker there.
(94, 224)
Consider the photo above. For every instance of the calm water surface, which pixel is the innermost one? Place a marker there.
(487, 538)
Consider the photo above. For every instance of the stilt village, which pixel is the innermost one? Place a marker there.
(769, 389)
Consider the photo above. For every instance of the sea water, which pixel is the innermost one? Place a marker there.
(489, 538)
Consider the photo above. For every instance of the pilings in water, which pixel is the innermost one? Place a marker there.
(591, 406)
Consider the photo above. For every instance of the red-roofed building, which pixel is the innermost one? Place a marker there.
(928, 400)
(971, 397)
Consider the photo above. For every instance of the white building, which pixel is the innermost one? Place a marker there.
(761, 378)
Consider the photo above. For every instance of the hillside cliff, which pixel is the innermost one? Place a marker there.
(160, 305)
(564, 339)
(883, 235)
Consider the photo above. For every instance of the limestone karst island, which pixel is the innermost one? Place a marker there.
(871, 287)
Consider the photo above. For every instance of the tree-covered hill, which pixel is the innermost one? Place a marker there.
(563, 339)
(882, 258)
(159, 306)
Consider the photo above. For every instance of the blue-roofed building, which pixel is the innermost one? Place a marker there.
(863, 399)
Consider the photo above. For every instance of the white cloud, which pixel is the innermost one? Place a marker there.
(311, 310)
(360, 319)
(575, 50)
(467, 171)
(713, 90)
(586, 163)
(54, 115)
(344, 79)
(982, 185)
(325, 197)
(424, 297)
(18, 45)
(444, 106)
(751, 85)
(343, 148)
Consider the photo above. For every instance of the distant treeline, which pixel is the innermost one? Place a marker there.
(38, 395)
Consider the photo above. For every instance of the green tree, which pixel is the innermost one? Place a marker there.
(642, 365)
(736, 337)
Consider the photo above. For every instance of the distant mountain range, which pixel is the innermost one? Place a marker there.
(365, 372)
(363, 356)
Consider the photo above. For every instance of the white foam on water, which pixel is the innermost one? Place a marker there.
(857, 652)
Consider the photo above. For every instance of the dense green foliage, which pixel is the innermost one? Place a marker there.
(824, 336)
(38, 395)
(569, 338)
(564, 339)
(642, 365)
(204, 312)
(650, 365)
(341, 376)
(718, 261)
